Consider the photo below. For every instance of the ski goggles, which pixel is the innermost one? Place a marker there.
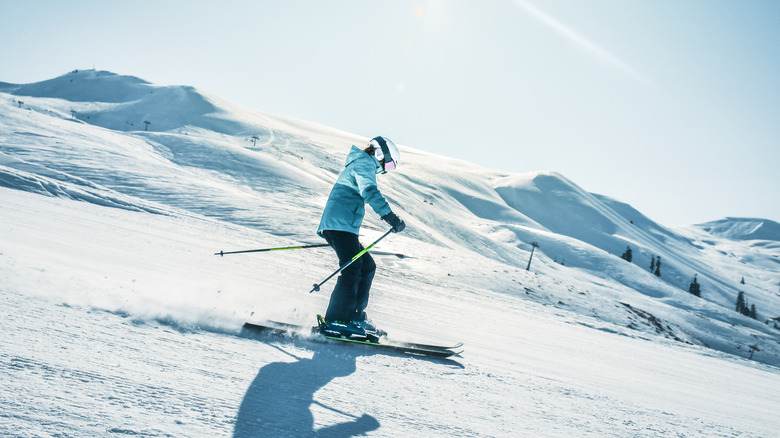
(387, 166)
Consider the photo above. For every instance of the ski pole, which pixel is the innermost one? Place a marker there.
(318, 245)
(357, 256)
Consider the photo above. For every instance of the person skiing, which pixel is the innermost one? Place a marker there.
(342, 217)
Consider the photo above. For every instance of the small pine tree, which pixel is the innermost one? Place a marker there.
(652, 264)
(627, 256)
(740, 302)
(742, 281)
(745, 307)
(695, 288)
(658, 267)
(753, 313)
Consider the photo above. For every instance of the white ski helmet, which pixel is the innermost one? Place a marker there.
(386, 152)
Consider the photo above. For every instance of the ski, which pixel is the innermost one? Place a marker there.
(313, 333)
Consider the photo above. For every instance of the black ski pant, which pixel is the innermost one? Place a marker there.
(350, 296)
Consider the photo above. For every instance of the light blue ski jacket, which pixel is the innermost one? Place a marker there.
(354, 188)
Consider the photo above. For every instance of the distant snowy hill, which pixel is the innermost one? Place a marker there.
(213, 175)
(743, 229)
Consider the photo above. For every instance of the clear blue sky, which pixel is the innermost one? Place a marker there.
(670, 106)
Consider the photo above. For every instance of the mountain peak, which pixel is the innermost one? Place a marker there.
(127, 103)
(87, 86)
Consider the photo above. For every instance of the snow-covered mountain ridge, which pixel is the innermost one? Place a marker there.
(205, 175)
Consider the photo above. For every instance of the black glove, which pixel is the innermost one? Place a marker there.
(394, 221)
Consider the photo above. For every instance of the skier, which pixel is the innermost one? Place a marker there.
(340, 225)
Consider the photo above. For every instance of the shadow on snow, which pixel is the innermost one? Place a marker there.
(279, 399)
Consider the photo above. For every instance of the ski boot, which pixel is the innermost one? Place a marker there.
(372, 332)
(342, 329)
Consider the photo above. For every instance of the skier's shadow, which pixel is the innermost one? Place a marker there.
(278, 402)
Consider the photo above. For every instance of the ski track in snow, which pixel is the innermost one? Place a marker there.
(85, 379)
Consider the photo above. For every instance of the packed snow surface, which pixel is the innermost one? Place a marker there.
(118, 319)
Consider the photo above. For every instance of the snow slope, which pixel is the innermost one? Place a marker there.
(122, 321)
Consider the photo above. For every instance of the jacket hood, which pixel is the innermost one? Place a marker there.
(356, 153)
